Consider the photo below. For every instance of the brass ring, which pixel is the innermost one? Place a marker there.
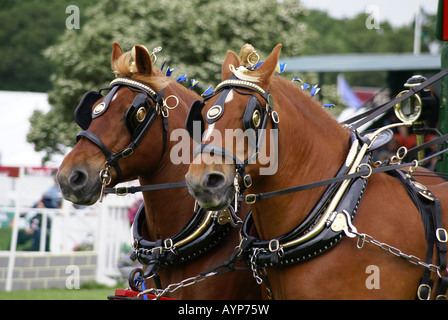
(165, 112)
(403, 150)
(253, 58)
(368, 166)
(398, 108)
(165, 104)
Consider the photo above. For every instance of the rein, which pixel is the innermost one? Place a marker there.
(369, 115)
(252, 198)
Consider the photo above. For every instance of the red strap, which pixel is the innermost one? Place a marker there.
(445, 20)
(130, 293)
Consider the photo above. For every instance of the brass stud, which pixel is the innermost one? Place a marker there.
(256, 118)
(141, 114)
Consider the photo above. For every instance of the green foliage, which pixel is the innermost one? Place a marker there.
(50, 133)
(26, 29)
(194, 35)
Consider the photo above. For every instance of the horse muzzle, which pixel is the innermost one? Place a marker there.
(78, 186)
(212, 191)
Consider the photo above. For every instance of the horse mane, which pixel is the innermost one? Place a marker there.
(123, 67)
(302, 97)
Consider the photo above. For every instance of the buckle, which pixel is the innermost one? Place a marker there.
(250, 198)
(274, 245)
(118, 191)
(127, 152)
(135, 244)
(247, 181)
(168, 243)
(441, 235)
(423, 295)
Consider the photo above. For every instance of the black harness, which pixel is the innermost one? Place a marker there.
(203, 232)
(303, 243)
(139, 118)
(323, 228)
(255, 120)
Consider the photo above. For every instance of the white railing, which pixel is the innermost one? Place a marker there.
(105, 225)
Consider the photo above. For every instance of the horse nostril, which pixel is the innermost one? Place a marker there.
(78, 179)
(215, 180)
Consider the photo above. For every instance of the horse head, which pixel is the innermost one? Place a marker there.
(115, 124)
(239, 119)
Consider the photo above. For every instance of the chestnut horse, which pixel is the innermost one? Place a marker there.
(310, 146)
(166, 211)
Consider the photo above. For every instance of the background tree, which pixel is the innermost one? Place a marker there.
(26, 29)
(194, 35)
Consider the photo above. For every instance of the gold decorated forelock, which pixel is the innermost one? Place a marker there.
(249, 56)
(248, 59)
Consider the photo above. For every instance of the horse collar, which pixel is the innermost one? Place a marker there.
(308, 240)
(203, 232)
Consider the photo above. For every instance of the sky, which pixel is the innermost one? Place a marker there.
(17, 108)
(397, 12)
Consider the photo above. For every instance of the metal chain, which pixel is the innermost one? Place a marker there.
(174, 286)
(253, 265)
(365, 238)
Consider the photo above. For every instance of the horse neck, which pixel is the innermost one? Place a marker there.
(167, 211)
(311, 147)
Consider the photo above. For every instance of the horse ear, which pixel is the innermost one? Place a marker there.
(269, 65)
(116, 51)
(231, 58)
(142, 60)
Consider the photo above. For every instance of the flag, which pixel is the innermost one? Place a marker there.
(347, 95)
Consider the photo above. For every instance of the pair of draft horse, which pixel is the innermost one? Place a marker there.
(287, 236)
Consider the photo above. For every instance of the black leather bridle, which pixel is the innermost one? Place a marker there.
(266, 112)
(146, 106)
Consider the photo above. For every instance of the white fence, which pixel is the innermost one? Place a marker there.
(105, 226)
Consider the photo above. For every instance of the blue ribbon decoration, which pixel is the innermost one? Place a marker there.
(182, 78)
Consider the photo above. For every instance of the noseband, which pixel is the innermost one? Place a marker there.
(139, 118)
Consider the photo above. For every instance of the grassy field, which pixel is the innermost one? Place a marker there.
(86, 292)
